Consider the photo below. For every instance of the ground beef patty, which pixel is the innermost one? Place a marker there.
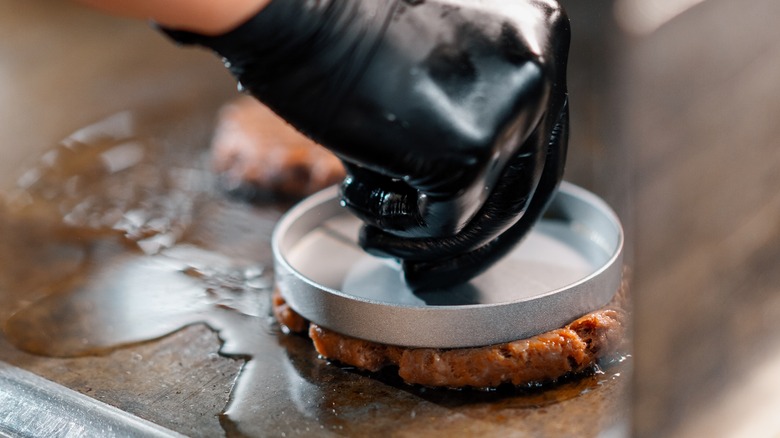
(253, 147)
(545, 357)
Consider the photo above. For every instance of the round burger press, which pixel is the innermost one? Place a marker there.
(569, 264)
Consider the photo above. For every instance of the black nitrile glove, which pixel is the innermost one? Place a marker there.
(450, 115)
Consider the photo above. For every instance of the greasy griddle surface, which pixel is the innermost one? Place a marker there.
(180, 380)
(266, 383)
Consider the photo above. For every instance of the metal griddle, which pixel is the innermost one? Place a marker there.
(180, 381)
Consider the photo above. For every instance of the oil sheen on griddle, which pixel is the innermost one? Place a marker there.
(115, 238)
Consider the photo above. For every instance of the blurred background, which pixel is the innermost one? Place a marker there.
(685, 92)
(675, 123)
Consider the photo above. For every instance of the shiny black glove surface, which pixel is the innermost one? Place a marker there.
(450, 115)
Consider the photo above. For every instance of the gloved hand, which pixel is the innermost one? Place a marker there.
(450, 115)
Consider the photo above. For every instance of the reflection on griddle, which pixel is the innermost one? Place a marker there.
(116, 238)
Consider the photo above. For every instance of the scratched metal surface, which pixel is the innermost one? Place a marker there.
(33, 406)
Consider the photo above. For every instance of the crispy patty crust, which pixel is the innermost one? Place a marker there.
(548, 356)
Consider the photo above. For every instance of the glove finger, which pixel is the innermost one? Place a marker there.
(392, 205)
(503, 208)
(380, 201)
(422, 275)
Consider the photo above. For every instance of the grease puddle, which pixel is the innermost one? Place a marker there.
(116, 238)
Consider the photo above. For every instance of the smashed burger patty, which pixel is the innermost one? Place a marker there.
(254, 147)
(545, 357)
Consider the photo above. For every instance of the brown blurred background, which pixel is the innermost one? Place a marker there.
(675, 122)
(688, 96)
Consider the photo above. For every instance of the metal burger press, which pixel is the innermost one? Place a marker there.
(569, 264)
